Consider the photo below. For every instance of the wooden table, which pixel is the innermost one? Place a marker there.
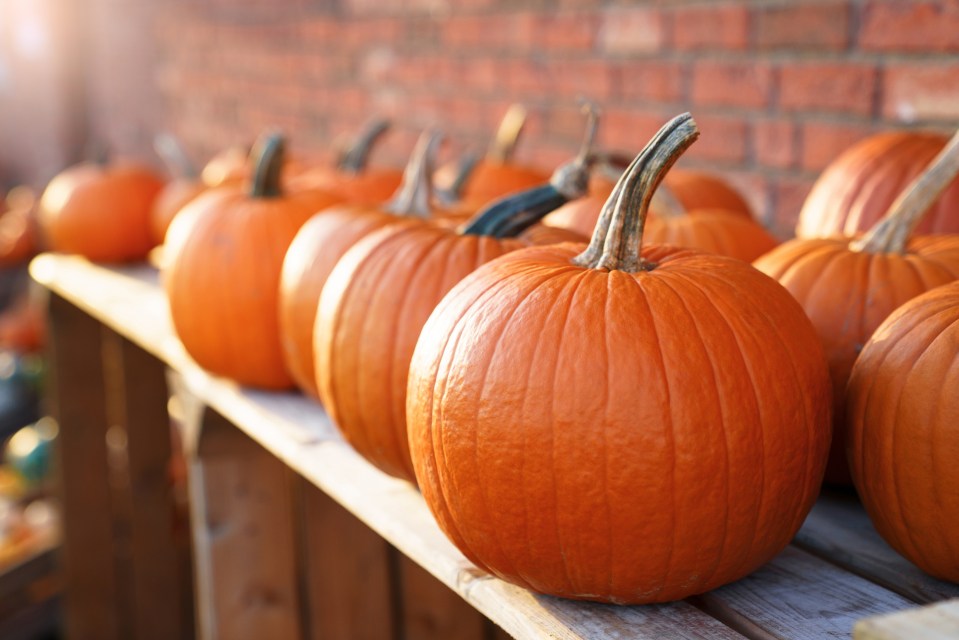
(295, 536)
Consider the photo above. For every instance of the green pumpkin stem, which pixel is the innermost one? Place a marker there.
(510, 216)
(415, 194)
(171, 152)
(267, 158)
(503, 147)
(353, 158)
(617, 239)
(891, 234)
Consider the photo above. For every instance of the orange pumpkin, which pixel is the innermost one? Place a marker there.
(227, 167)
(100, 212)
(222, 266)
(183, 187)
(903, 437)
(849, 286)
(379, 295)
(858, 187)
(721, 231)
(620, 425)
(350, 178)
(324, 239)
(19, 230)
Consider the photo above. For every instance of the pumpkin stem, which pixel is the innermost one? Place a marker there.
(354, 157)
(415, 193)
(464, 169)
(171, 152)
(266, 157)
(891, 233)
(617, 239)
(510, 127)
(510, 216)
(666, 204)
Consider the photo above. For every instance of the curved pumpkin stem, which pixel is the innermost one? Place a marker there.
(617, 239)
(510, 216)
(415, 193)
(267, 159)
(353, 159)
(464, 169)
(503, 147)
(891, 234)
(177, 162)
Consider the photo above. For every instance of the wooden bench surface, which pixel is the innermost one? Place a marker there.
(836, 573)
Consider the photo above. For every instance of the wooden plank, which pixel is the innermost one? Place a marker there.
(243, 536)
(839, 530)
(160, 567)
(76, 398)
(935, 622)
(346, 572)
(799, 596)
(431, 611)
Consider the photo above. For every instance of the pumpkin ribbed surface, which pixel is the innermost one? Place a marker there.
(613, 436)
(714, 231)
(858, 187)
(903, 439)
(370, 314)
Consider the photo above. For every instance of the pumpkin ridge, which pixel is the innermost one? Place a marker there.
(684, 282)
(670, 428)
(784, 341)
(609, 564)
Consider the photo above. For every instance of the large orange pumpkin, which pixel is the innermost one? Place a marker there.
(379, 295)
(101, 212)
(858, 187)
(903, 437)
(620, 425)
(222, 266)
(849, 286)
(325, 238)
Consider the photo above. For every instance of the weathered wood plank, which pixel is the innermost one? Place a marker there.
(799, 596)
(839, 530)
(431, 611)
(160, 580)
(346, 572)
(92, 603)
(934, 622)
(243, 535)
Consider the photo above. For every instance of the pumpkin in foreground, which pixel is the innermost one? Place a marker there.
(619, 426)
(903, 436)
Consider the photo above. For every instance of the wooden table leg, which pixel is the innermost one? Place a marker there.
(159, 569)
(77, 402)
(243, 519)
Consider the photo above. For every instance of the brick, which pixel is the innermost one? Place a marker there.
(828, 86)
(722, 140)
(921, 91)
(822, 142)
(910, 26)
(801, 25)
(632, 30)
(570, 31)
(776, 143)
(592, 79)
(788, 195)
(629, 129)
(648, 80)
(736, 84)
(710, 27)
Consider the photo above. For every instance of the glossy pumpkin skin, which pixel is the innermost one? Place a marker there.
(224, 253)
(847, 294)
(857, 188)
(369, 187)
(713, 231)
(174, 196)
(100, 212)
(614, 436)
(371, 311)
(903, 438)
(491, 180)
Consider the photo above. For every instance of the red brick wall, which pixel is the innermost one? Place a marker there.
(779, 88)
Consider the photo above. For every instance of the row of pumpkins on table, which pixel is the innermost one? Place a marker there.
(617, 417)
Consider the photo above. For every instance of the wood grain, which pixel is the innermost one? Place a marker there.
(935, 622)
(838, 529)
(431, 611)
